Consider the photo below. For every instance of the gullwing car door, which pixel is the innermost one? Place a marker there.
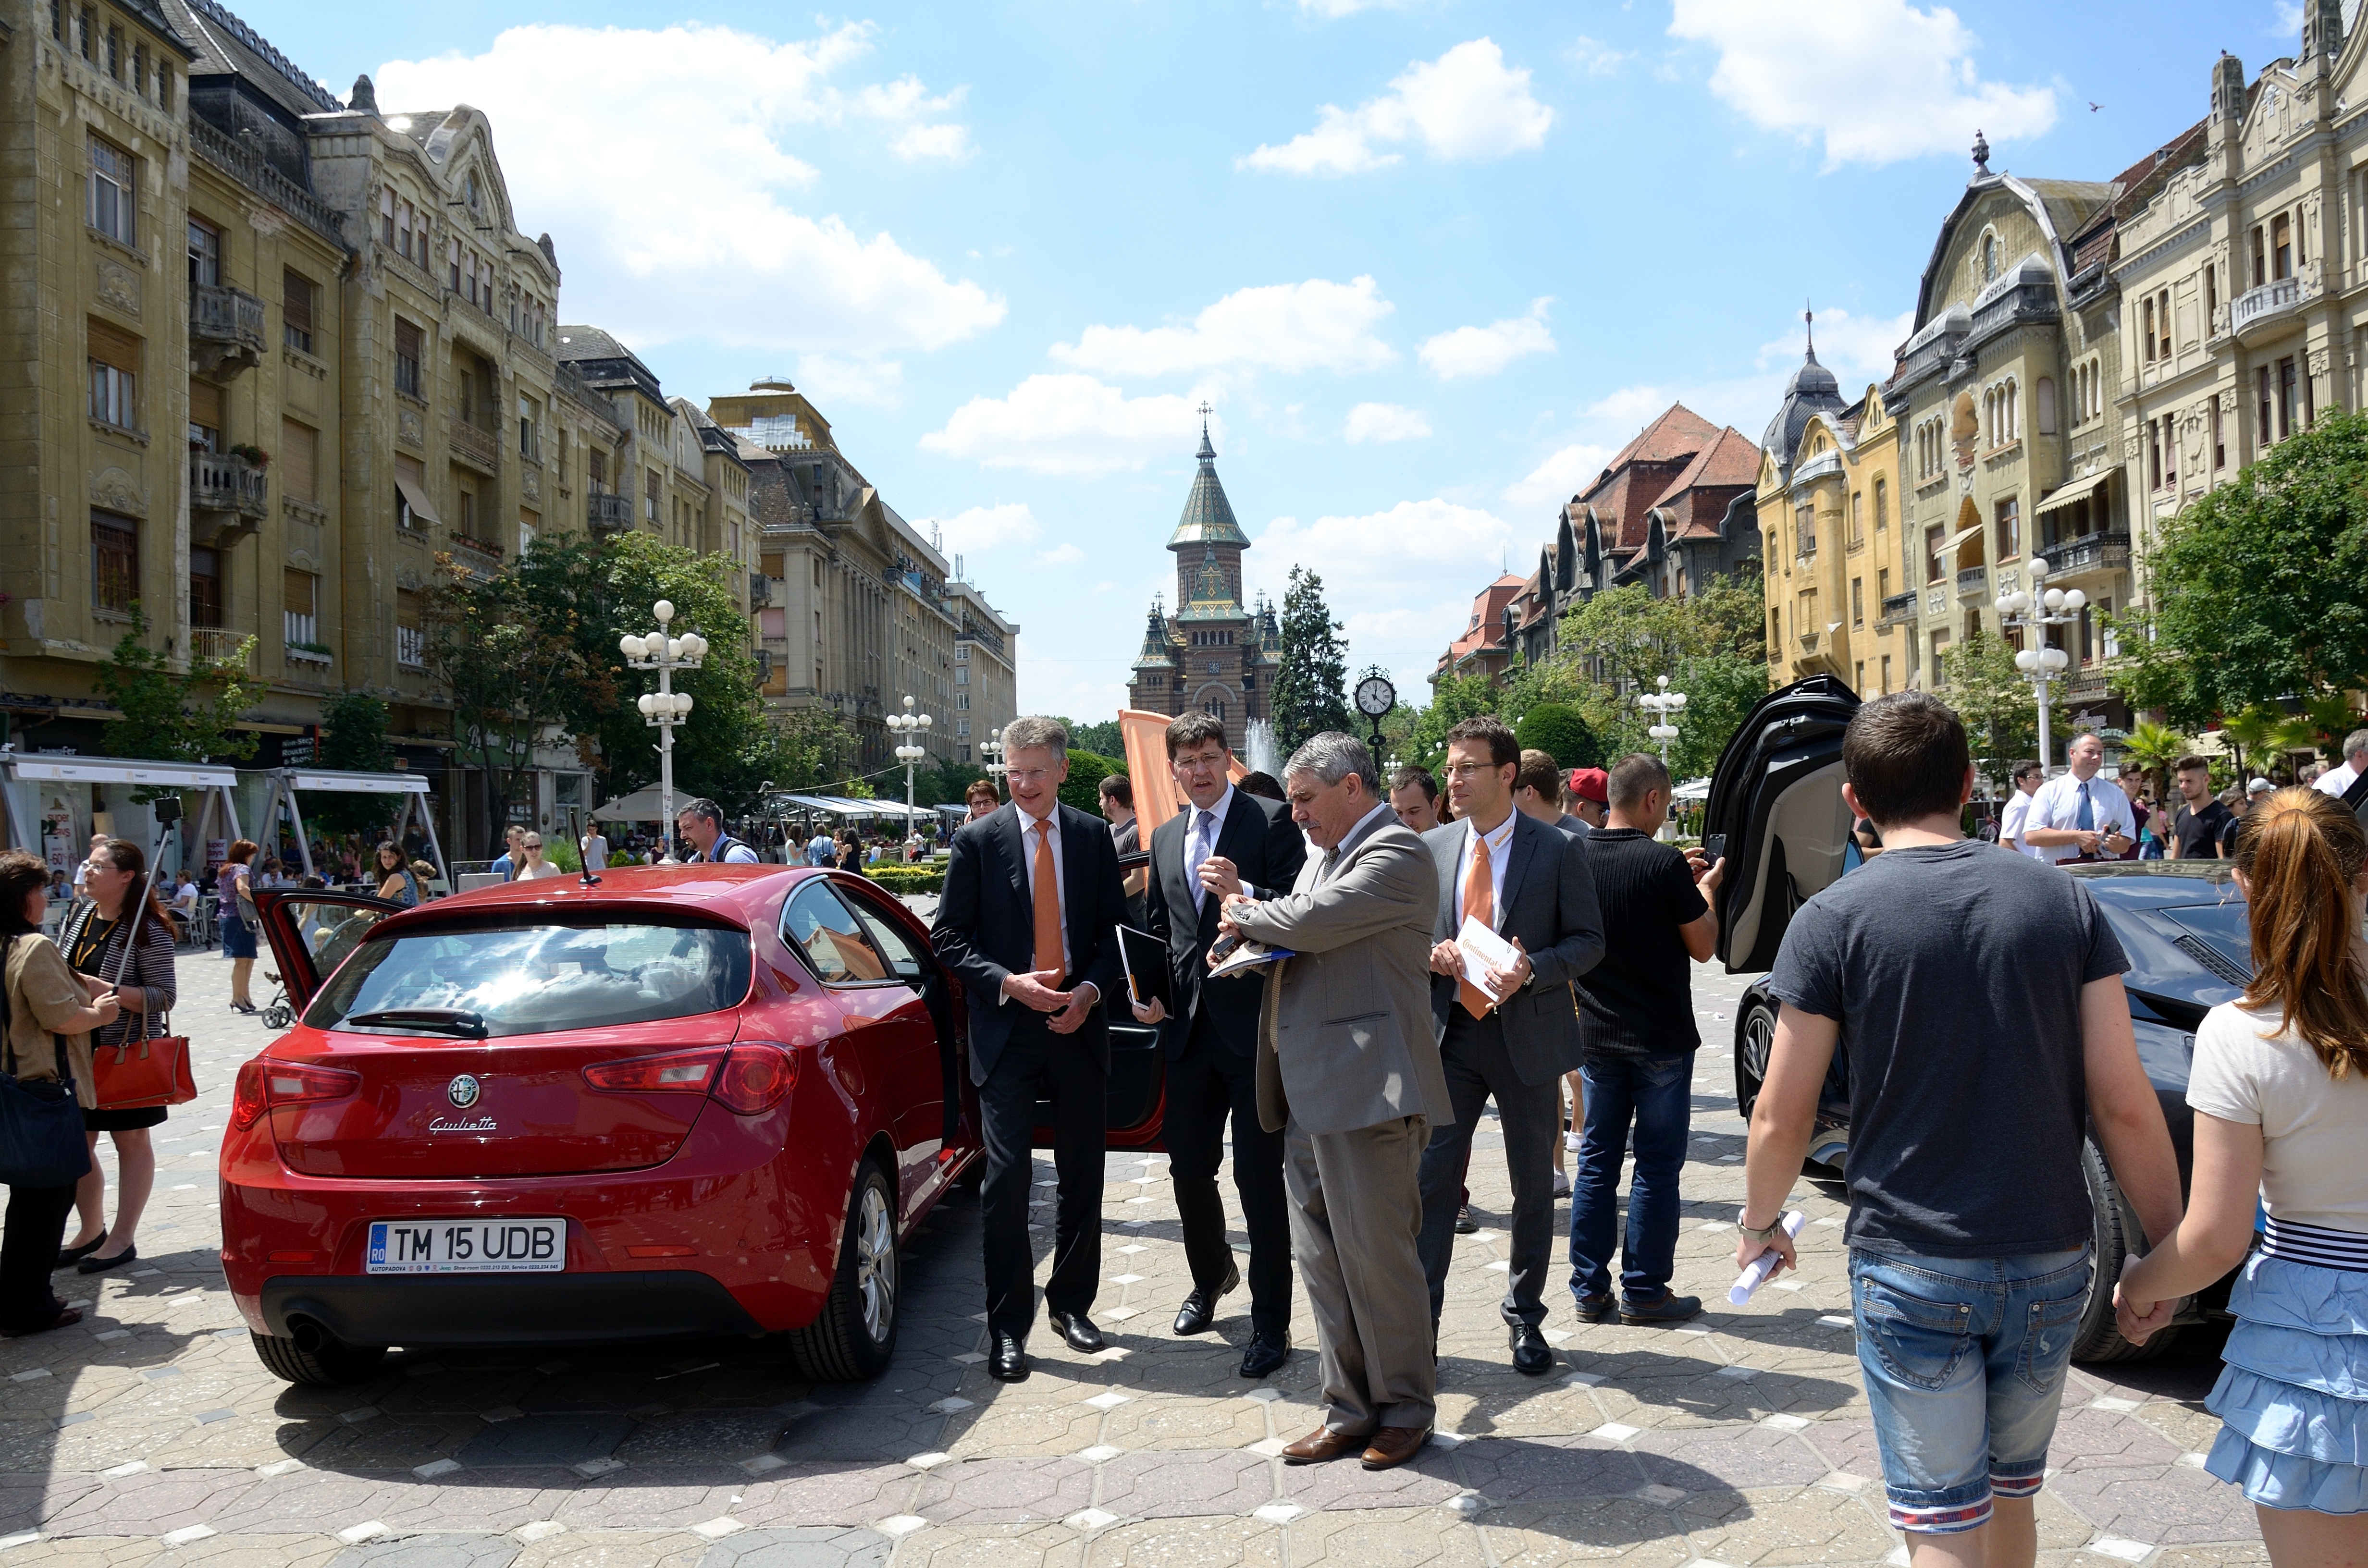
(1776, 803)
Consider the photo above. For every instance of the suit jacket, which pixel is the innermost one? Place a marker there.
(1345, 1043)
(1266, 848)
(1548, 902)
(986, 922)
(1126, 837)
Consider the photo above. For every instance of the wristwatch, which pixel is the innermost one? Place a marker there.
(1767, 1233)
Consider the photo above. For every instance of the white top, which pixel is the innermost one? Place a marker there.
(2010, 825)
(2058, 805)
(528, 871)
(2337, 779)
(1500, 848)
(2313, 1126)
(596, 851)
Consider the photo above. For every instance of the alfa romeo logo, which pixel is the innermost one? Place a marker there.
(462, 1092)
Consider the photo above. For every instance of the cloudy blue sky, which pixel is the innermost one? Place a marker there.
(1430, 261)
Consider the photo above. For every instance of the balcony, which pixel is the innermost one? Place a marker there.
(2256, 311)
(2089, 683)
(299, 639)
(225, 331)
(607, 514)
(481, 449)
(760, 589)
(220, 646)
(228, 499)
(1899, 610)
(1811, 640)
(2089, 552)
(475, 555)
(1974, 583)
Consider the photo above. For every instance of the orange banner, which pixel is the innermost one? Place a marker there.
(1156, 796)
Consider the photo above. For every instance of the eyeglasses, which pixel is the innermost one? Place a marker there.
(1468, 769)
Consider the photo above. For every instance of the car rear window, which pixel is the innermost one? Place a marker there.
(543, 977)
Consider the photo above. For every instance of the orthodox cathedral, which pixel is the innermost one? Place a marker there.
(1212, 653)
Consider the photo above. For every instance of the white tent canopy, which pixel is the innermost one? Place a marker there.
(642, 805)
(1692, 790)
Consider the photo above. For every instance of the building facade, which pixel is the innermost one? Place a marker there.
(1213, 653)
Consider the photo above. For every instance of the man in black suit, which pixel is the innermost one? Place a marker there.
(1515, 1034)
(1029, 924)
(1226, 843)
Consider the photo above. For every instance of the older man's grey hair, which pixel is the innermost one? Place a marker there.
(1332, 756)
(2354, 743)
(1033, 732)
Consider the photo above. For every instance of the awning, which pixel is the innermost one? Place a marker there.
(1692, 790)
(1959, 537)
(2078, 490)
(356, 783)
(121, 770)
(642, 805)
(416, 499)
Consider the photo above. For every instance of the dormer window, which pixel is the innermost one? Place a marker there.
(1990, 256)
(469, 189)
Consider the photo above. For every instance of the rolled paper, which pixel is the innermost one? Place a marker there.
(1762, 1267)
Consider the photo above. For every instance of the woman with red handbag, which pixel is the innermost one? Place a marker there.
(121, 937)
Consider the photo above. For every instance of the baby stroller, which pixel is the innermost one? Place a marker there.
(277, 1014)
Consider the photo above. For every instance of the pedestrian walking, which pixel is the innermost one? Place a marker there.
(1637, 1020)
(1512, 1037)
(1349, 1075)
(2338, 781)
(1029, 923)
(594, 848)
(49, 1016)
(234, 917)
(1226, 843)
(505, 864)
(2280, 1091)
(1414, 795)
(2028, 776)
(2078, 816)
(1969, 1222)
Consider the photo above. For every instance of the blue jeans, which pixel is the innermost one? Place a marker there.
(1656, 1094)
(1963, 1360)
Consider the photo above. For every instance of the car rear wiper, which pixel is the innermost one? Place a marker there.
(434, 1020)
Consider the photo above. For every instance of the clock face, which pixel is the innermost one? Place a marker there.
(1375, 697)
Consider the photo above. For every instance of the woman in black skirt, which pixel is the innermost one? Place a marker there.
(131, 951)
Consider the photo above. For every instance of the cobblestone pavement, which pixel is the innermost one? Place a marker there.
(150, 1434)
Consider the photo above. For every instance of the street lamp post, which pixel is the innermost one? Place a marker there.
(910, 726)
(991, 749)
(664, 708)
(1665, 706)
(2033, 610)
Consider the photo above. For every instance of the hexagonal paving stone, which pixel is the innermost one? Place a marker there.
(1530, 1469)
(153, 1503)
(817, 1493)
(1002, 1491)
(704, 1438)
(1778, 1527)
(547, 1439)
(1429, 1477)
(430, 1552)
(811, 1547)
(1386, 1538)
(1186, 1421)
(1726, 1459)
(1175, 1485)
(1189, 1543)
(992, 1546)
(636, 1498)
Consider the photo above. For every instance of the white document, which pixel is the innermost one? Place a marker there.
(1483, 949)
(1246, 957)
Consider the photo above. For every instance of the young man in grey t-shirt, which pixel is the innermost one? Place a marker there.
(1978, 998)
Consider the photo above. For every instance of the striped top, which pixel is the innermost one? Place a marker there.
(2315, 1245)
(96, 948)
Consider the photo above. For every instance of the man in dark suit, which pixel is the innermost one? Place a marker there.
(1029, 924)
(1515, 1033)
(1226, 843)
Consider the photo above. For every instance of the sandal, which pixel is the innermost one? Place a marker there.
(66, 1317)
(75, 1254)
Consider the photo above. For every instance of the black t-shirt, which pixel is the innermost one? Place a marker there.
(2199, 834)
(1638, 1002)
(1955, 974)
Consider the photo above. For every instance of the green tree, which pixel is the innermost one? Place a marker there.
(2157, 748)
(510, 675)
(1083, 788)
(1720, 689)
(2252, 735)
(1998, 705)
(1102, 738)
(176, 715)
(809, 748)
(353, 740)
(2259, 590)
(1311, 684)
(1562, 732)
(1453, 701)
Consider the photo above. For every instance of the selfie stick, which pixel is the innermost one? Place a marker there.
(1762, 1267)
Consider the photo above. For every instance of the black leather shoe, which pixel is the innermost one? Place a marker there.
(1464, 1223)
(1533, 1357)
(94, 1264)
(1007, 1362)
(1079, 1331)
(1664, 1309)
(75, 1254)
(1198, 1313)
(1268, 1353)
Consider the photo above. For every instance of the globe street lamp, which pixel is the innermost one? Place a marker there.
(911, 726)
(2035, 609)
(991, 751)
(1664, 705)
(664, 708)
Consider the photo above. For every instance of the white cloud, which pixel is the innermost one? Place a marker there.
(1596, 58)
(1857, 349)
(1384, 422)
(1314, 325)
(1060, 555)
(1464, 105)
(1875, 81)
(1332, 10)
(832, 379)
(981, 529)
(1564, 474)
(685, 228)
(1068, 423)
(1484, 350)
(948, 142)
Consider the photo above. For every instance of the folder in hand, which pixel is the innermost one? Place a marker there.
(1148, 978)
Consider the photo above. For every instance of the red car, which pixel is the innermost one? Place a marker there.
(671, 1103)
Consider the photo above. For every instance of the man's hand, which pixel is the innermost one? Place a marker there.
(1706, 875)
(1071, 1018)
(2115, 842)
(2088, 839)
(1035, 989)
(1149, 1011)
(1233, 904)
(1446, 959)
(1748, 1250)
(1222, 877)
(1503, 982)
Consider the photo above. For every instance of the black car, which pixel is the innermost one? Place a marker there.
(1776, 803)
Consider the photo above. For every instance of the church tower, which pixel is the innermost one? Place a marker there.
(1212, 653)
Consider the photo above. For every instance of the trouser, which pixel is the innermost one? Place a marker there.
(1063, 1069)
(1207, 1084)
(29, 1250)
(1356, 1211)
(1478, 1068)
(1654, 1094)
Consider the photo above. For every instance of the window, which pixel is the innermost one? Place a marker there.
(530, 524)
(386, 216)
(114, 375)
(962, 672)
(1858, 519)
(296, 310)
(140, 69)
(530, 424)
(205, 589)
(650, 496)
(90, 34)
(299, 625)
(164, 88)
(1939, 651)
(2170, 451)
(468, 514)
(1883, 583)
(2281, 246)
(57, 22)
(300, 455)
(410, 479)
(1886, 675)
(1858, 603)
(2262, 392)
(2261, 275)
(2009, 528)
(1805, 530)
(112, 192)
(833, 940)
(1932, 537)
(2044, 392)
(115, 52)
(961, 699)
(114, 562)
(410, 634)
(2146, 311)
(2154, 454)
(205, 254)
(1775, 634)
(597, 464)
(407, 358)
(2162, 319)
(452, 265)
(205, 415)
(1882, 504)
(2285, 397)
(2219, 440)
(2211, 297)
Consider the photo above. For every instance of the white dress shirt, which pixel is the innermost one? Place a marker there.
(1500, 849)
(2058, 805)
(2012, 821)
(2336, 780)
(1194, 842)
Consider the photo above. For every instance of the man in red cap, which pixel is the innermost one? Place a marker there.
(1588, 795)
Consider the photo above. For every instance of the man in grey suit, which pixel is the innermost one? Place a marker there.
(1513, 1036)
(1349, 1074)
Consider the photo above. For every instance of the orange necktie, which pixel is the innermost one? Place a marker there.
(1479, 903)
(1048, 903)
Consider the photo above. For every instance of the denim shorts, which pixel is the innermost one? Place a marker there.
(1965, 1360)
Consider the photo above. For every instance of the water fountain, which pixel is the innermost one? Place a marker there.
(1259, 750)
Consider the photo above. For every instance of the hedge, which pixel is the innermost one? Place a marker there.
(908, 878)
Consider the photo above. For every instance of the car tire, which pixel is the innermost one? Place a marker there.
(2115, 1235)
(330, 1362)
(855, 1334)
(1755, 1037)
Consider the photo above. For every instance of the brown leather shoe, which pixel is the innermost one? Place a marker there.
(1393, 1446)
(1321, 1445)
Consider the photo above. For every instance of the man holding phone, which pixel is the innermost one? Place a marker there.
(2077, 816)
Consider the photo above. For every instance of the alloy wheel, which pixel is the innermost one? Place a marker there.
(875, 1263)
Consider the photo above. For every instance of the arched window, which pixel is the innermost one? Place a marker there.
(1989, 259)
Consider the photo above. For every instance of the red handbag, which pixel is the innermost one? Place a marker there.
(142, 1073)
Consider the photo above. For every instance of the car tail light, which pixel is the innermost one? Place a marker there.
(264, 1083)
(679, 1072)
(756, 1076)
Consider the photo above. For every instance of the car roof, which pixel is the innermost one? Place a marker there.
(734, 893)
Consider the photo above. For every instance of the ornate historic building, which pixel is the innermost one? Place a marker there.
(1212, 653)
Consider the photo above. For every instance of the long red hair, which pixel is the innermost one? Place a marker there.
(2301, 852)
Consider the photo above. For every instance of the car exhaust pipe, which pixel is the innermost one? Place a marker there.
(308, 1335)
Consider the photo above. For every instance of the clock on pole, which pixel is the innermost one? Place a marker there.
(1375, 698)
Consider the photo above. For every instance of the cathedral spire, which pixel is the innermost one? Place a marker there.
(1207, 454)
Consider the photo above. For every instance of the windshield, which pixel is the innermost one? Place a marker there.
(535, 978)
